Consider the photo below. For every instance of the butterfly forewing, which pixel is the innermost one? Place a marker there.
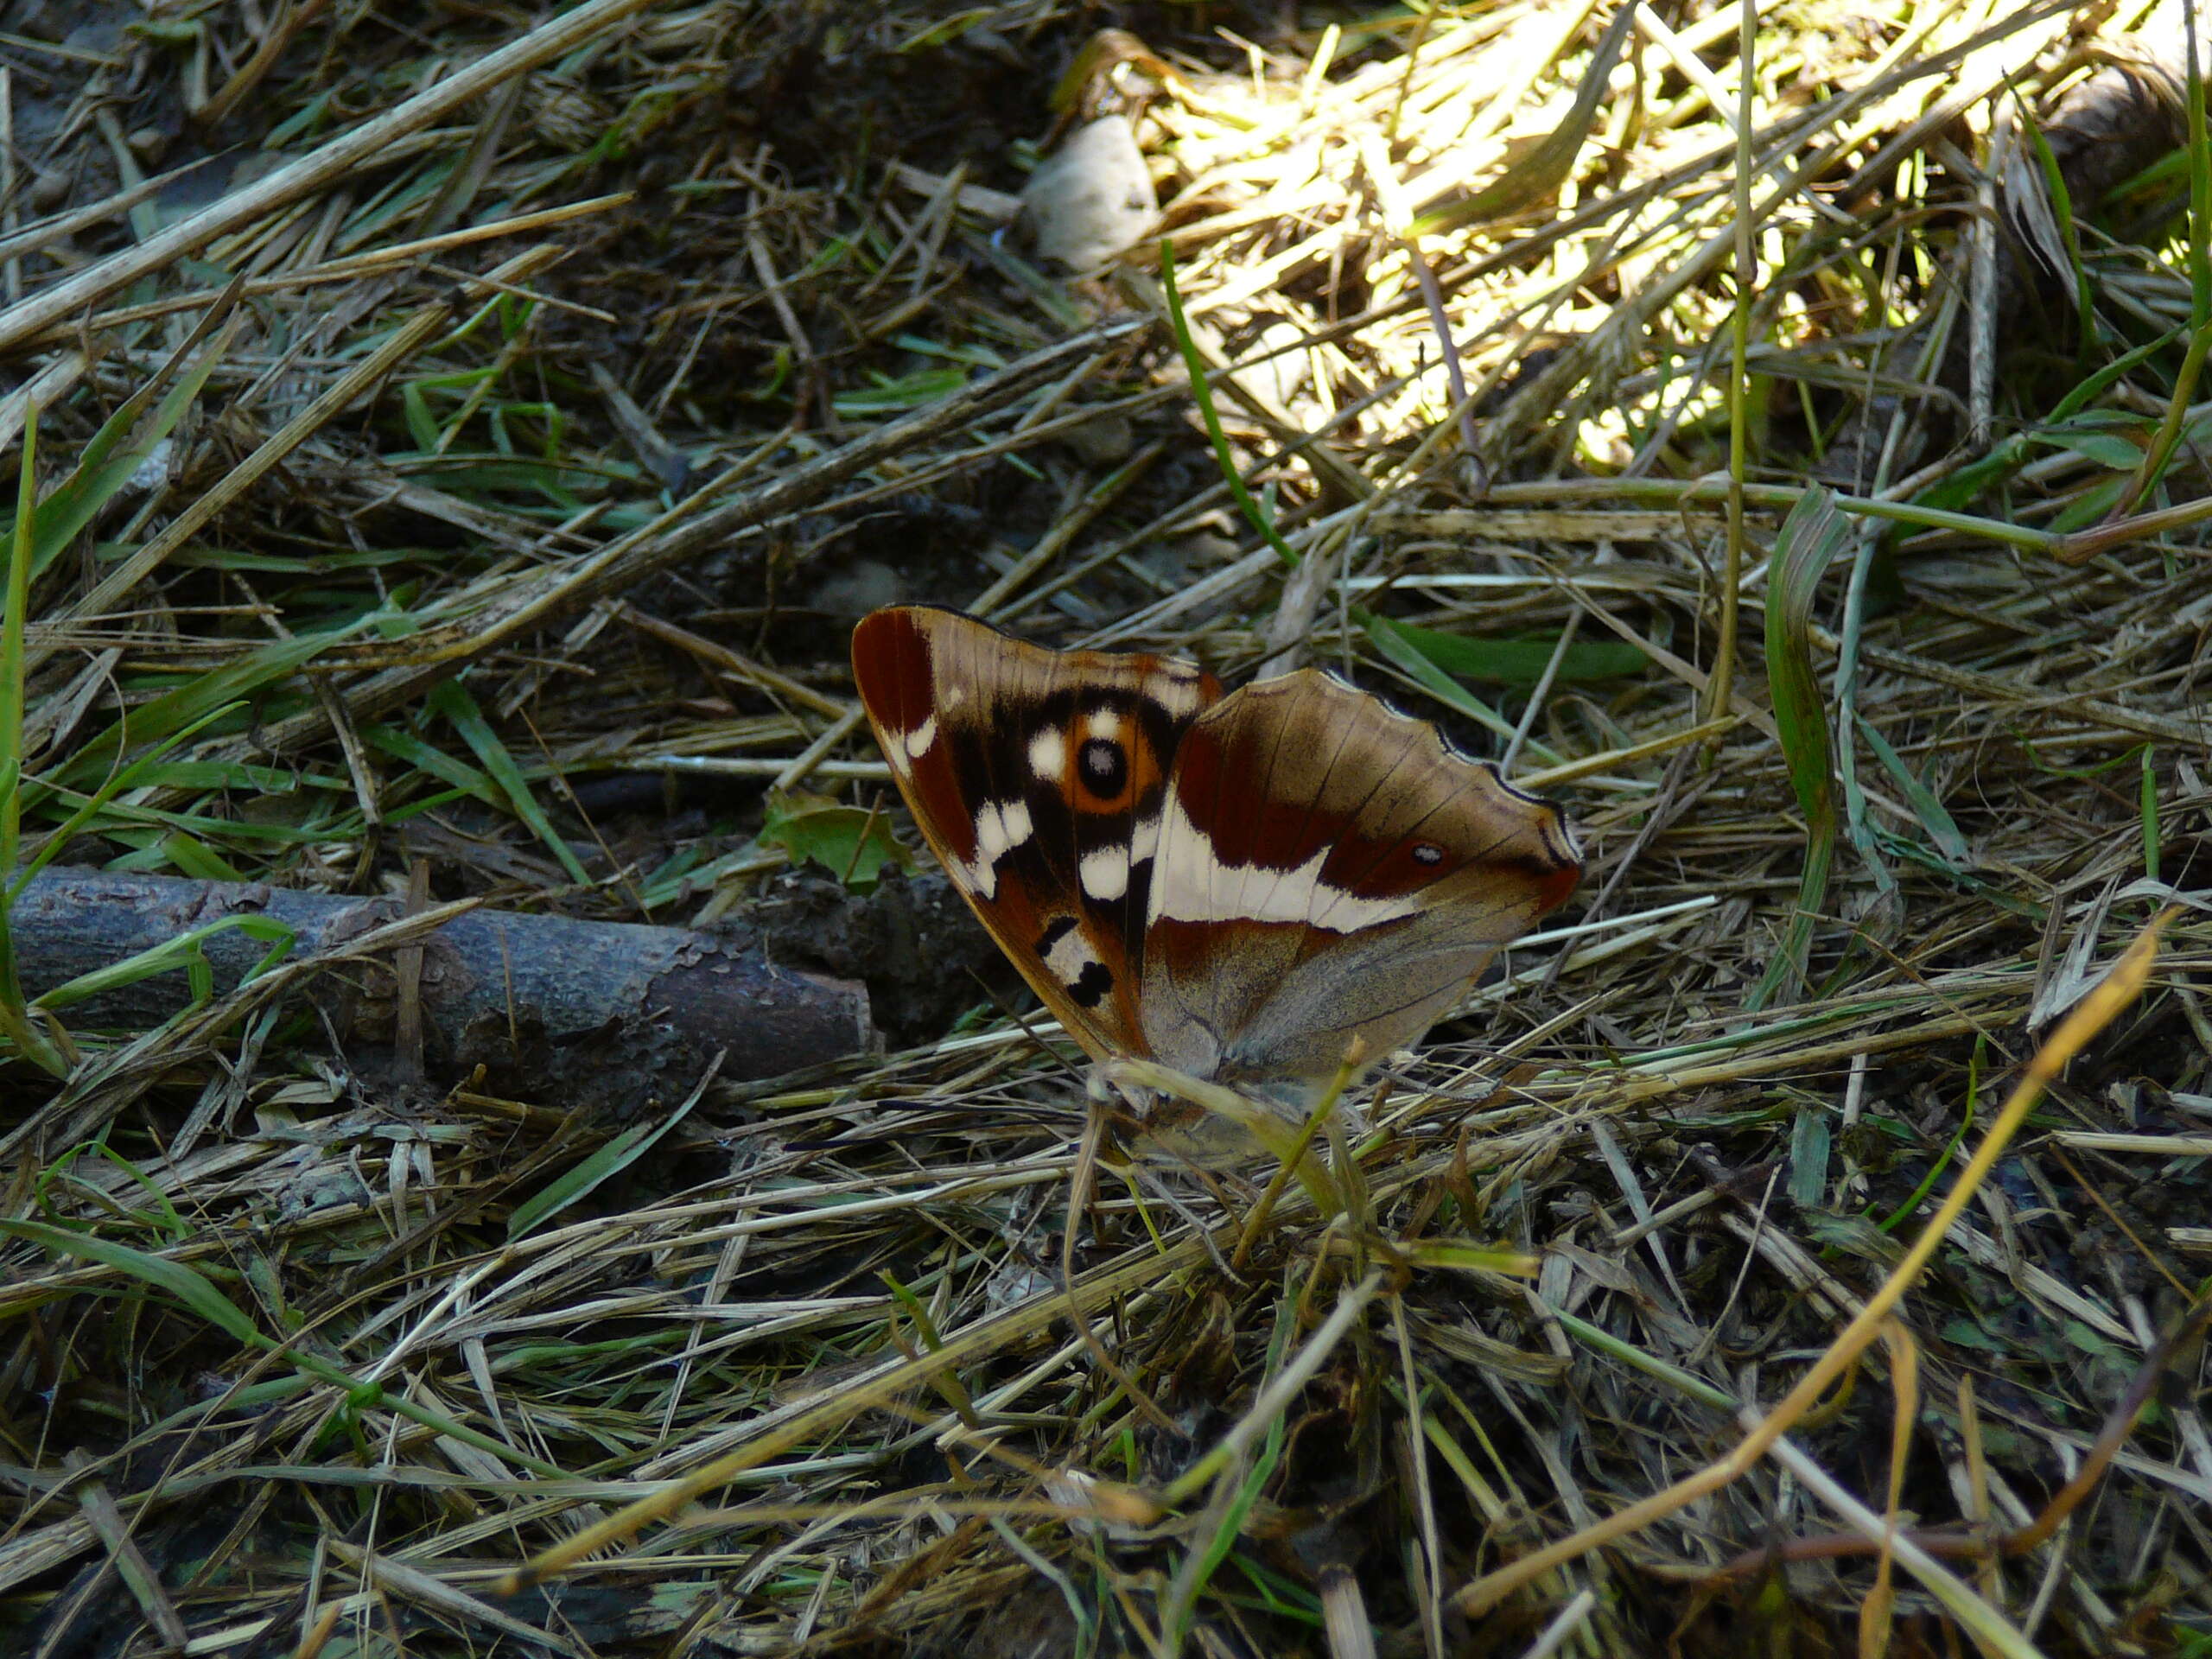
(1328, 875)
(1038, 777)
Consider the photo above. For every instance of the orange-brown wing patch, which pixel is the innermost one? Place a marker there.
(1037, 776)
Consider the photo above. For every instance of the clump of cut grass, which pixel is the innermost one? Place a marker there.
(450, 458)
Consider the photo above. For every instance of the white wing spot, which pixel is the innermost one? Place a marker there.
(1104, 723)
(1069, 955)
(917, 743)
(1105, 874)
(1144, 839)
(1177, 696)
(1191, 884)
(999, 828)
(1048, 755)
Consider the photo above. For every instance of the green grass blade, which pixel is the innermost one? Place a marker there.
(11, 646)
(403, 745)
(1518, 662)
(2062, 207)
(192, 704)
(2149, 811)
(107, 463)
(1942, 830)
(1402, 653)
(610, 1160)
(1202, 395)
(96, 801)
(182, 952)
(17, 1024)
(180, 1283)
(1811, 538)
(452, 700)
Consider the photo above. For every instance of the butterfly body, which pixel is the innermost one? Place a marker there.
(1247, 888)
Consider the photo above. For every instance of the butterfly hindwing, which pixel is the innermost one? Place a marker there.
(1329, 873)
(1038, 777)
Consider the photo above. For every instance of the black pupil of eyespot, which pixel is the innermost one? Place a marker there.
(1428, 853)
(1103, 766)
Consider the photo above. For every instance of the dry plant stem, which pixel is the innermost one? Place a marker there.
(1904, 1389)
(1615, 759)
(126, 1560)
(2119, 1425)
(43, 387)
(1071, 524)
(353, 268)
(682, 530)
(317, 1636)
(1872, 1532)
(336, 159)
(713, 654)
(1256, 1223)
(1140, 1268)
(1270, 1403)
(2113, 993)
(1083, 1182)
(413, 334)
(294, 16)
(43, 233)
(1991, 1631)
(1978, 1543)
(1430, 1562)
(2085, 544)
(1720, 690)
(408, 1583)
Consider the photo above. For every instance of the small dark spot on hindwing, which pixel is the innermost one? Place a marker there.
(1091, 985)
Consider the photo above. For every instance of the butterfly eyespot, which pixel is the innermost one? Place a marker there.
(1105, 766)
(1428, 851)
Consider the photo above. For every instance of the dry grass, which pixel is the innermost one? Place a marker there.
(516, 423)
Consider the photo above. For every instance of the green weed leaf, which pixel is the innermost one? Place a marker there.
(853, 843)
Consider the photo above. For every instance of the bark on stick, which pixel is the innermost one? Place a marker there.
(495, 986)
